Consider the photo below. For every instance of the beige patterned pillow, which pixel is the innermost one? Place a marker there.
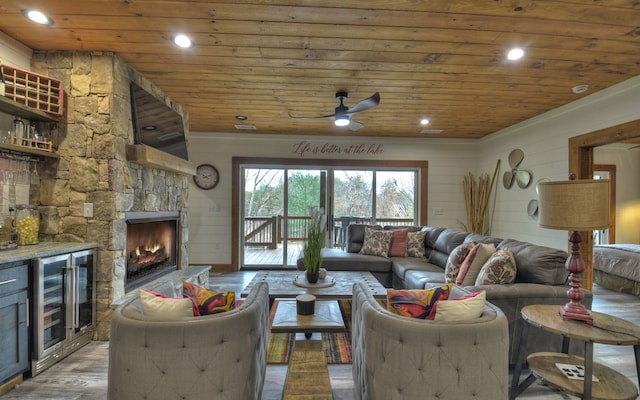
(376, 242)
(455, 260)
(474, 261)
(415, 244)
(500, 268)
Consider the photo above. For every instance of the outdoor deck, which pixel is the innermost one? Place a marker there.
(261, 256)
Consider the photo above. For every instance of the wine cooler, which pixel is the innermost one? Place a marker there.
(63, 306)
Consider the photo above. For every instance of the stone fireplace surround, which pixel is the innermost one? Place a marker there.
(91, 140)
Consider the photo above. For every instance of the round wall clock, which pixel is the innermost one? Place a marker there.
(206, 177)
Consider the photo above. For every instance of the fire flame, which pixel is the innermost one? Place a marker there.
(149, 248)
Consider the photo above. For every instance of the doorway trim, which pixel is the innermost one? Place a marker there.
(237, 162)
(611, 169)
(581, 162)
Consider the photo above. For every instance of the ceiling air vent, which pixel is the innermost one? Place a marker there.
(245, 127)
(431, 131)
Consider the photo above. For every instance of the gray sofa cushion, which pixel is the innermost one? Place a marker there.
(448, 240)
(338, 260)
(403, 264)
(478, 238)
(430, 239)
(537, 264)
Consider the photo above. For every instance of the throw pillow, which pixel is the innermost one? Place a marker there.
(455, 260)
(416, 303)
(376, 242)
(415, 244)
(472, 264)
(461, 309)
(209, 302)
(500, 268)
(398, 247)
(161, 307)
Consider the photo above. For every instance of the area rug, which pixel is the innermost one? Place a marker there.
(336, 346)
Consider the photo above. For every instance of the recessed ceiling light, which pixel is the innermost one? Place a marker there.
(242, 117)
(515, 54)
(183, 41)
(37, 16)
(149, 128)
(580, 89)
(424, 121)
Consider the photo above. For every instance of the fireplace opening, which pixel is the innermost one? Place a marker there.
(152, 247)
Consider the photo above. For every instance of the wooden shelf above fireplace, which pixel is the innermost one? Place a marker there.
(145, 155)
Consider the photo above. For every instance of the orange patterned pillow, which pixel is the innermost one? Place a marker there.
(416, 303)
(209, 302)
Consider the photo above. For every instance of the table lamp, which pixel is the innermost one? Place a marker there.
(574, 205)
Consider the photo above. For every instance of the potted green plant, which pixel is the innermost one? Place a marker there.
(312, 248)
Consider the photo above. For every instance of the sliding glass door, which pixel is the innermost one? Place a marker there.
(278, 203)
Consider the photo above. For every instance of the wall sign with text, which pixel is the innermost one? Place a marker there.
(306, 148)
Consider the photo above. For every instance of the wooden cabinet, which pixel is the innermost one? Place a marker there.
(14, 334)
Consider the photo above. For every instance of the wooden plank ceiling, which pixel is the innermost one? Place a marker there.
(440, 59)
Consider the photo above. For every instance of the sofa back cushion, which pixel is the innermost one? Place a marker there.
(430, 240)
(478, 238)
(537, 264)
(448, 240)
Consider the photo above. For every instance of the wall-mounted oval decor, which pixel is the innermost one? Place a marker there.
(523, 178)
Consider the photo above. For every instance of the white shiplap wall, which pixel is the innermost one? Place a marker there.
(544, 141)
(210, 211)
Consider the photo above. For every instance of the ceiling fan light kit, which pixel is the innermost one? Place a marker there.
(342, 114)
(341, 120)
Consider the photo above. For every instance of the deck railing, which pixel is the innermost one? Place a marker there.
(268, 231)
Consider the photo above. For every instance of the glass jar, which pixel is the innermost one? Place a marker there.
(27, 224)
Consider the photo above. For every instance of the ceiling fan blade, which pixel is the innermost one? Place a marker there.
(320, 116)
(366, 104)
(355, 125)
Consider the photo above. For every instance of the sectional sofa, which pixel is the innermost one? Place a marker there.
(541, 277)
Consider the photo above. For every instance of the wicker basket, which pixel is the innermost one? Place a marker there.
(33, 90)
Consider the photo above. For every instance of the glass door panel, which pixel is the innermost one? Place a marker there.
(262, 216)
(395, 198)
(51, 312)
(305, 198)
(352, 201)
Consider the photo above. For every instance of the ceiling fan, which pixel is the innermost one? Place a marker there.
(342, 115)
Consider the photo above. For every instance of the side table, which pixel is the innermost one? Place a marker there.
(606, 329)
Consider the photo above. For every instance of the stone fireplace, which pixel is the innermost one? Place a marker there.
(152, 247)
(91, 141)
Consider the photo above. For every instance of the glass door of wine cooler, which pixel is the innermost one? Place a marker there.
(83, 305)
(51, 292)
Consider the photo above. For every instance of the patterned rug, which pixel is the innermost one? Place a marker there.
(336, 346)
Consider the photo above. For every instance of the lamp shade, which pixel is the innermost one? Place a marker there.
(577, 205)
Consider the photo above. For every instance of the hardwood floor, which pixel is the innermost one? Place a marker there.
(83, 375)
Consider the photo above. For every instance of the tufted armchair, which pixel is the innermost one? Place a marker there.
(220, 356)
(396, 357)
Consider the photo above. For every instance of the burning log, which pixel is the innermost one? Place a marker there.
(146, 256)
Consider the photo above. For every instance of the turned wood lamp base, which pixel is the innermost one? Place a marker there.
(574, 310)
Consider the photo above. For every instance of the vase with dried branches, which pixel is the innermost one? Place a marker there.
(477, 194)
